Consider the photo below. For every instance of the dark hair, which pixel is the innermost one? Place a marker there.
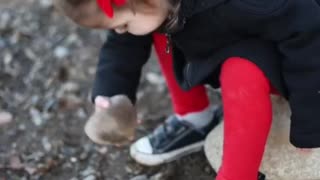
(70, 8)
(172, 22)
(76, 3)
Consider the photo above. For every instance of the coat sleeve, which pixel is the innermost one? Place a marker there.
(120, 63)
(294, 27)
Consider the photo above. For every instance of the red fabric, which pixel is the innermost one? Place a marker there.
(106, 6)
(247, 118)
(183, 101)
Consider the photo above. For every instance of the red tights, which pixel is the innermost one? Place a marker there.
(247, 111)
(247, 118)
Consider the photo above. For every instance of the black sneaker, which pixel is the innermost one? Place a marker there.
(172, 140)
(261, 176)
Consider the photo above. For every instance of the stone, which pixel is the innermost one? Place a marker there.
(155, 78)
(140, 177)
(46, 3)
(5, 118)
(114, 123)
(281, 159)
(90, 177)
(46, 144)
(36, 116)
(61, 52)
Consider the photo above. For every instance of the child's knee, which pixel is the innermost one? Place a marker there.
(242, 77)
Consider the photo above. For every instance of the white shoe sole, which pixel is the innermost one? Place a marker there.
(158, 159)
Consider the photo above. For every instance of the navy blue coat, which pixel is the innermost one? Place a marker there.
(281, 36)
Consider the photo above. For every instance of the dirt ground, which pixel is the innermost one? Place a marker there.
(47, 65)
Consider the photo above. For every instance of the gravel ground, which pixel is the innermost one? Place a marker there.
(47, 66)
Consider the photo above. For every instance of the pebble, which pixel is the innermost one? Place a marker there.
(140, 177)
(73, 159)
(88, 171)
(83, 156)
(36, 117)
(7, 58)
(90, 177)
(61, 52)
(46, 3)
(158, 176)
(46, 144)
(4, 20)
(155, 78)
(102, 150)
(5, 118)
(70, 87)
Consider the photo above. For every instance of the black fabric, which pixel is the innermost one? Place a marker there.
(281, 36)
(120, 63)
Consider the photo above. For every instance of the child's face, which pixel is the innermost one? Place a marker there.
(140, 22)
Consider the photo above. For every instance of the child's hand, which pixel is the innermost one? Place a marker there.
(101, 102)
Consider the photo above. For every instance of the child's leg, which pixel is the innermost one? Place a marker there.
(183, 132)
(247, 119)
(183, 101)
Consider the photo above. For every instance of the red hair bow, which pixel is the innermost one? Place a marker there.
(106, 6)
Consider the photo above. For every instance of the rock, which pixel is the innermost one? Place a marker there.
(70, 87)
(69, 102)
(61, 52)
(102, 150)
(5, 118)
(36, 117)
(22, 127)
(46, 3)
(46, 144)
(155, 78)
(140, 177)
(4, 20)
(90, 177)
(281, 159)
(72, 38)
(15, 163)
(7, 58)
(30, 54)
(113, 125)
(158, 176)
(128, 169)
(88, 171)
(73, 159)
(2, 42)
(83, 156)
(30, 170)
(81, 114)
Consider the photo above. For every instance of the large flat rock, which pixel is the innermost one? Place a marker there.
(281, 161)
